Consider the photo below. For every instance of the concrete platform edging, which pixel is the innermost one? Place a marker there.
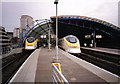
(27, 71)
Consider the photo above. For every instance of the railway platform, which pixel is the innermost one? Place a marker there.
(105, 50)
(38, 68)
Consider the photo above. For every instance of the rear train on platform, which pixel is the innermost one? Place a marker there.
(70, 44)
(31, 43)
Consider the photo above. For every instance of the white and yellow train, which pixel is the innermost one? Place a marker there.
(31, 43)
(70, 44)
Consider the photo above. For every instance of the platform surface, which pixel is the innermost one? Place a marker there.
(38, 68)
(106, 50)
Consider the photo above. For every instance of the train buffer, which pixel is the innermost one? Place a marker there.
(39, 68)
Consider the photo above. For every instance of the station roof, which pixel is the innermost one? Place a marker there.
(74, 25)
(41, 29)
(82, 25)
(85, 18)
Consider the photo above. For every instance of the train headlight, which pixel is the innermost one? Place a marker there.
(70, 46)
(77, 47)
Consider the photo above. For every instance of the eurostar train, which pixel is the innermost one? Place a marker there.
(70, 44)
(31, 43)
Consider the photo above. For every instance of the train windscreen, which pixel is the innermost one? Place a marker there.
(30, 39)
(71, 39)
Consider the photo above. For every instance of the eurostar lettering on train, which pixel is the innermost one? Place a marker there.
(31, 43)
(70, 44)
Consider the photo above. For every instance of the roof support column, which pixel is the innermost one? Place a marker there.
(94, 36)
(49, 45)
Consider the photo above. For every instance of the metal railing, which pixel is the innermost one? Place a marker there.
(57, 76)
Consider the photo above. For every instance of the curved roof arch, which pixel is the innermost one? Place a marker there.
(40, 27)
(82, 22)
(87, 18)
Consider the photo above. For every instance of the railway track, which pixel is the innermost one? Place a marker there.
(109, 62)
(11, 64)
